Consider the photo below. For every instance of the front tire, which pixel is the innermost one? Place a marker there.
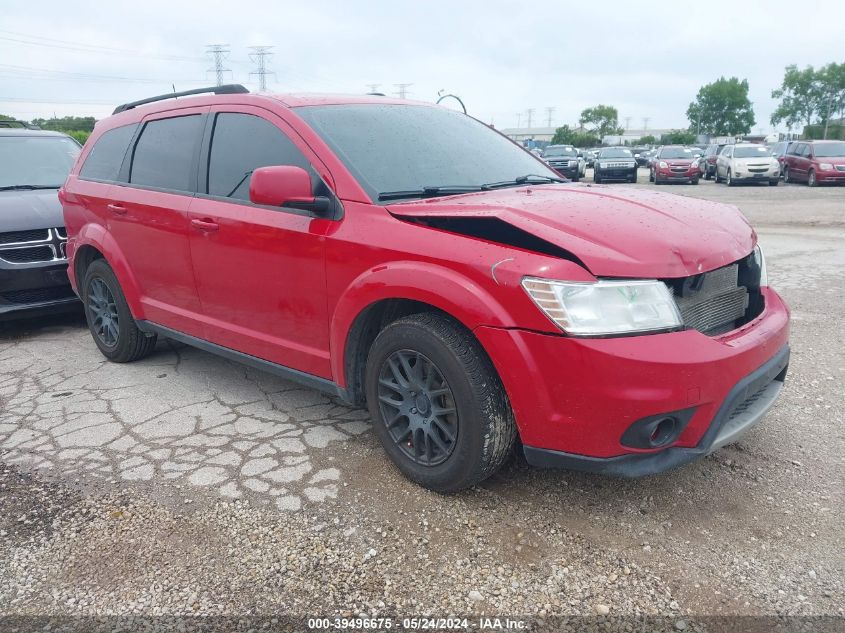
(111, 323)
(811, 178)
(438, 405)
(729, 180)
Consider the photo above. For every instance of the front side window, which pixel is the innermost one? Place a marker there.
(240, 144)
(36, 161)
(105, 158)
(164, 153)
(397, 148)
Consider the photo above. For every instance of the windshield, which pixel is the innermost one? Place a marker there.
(675, 152)
(407, 147)
(829, 150)
(615, 152)
(40, 161)
(559, 151)
(750, 151)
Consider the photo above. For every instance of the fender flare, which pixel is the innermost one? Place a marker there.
(96, 236)
(435, 285)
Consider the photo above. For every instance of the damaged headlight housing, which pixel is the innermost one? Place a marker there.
(605, 307)
(760, 260)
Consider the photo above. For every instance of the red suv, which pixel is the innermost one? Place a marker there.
(411, 258)
(815, 162)
(674, 163)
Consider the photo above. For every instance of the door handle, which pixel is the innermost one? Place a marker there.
(118, 209)
(206, 224)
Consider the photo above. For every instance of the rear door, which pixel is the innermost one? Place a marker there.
(260, 270)
(148, 216)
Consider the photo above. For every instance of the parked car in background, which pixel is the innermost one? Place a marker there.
(564, 160)
(410, 258)
(747, 162)
(33, 264)
(590, 156)
(674, 163)
(582, 162)
(815, 162)
(615, 163)
(779, 151)
(707, 161)
(640, 155)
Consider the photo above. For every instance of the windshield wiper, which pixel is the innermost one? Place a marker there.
(430, 192)
(522, 180)
(28, 187)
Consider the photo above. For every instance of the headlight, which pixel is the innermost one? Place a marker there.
(826, 167)
(663, 164)
(602, 165)
(605, 307)
(760, 260)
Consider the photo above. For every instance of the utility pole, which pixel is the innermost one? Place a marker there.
(402, 90)
(259, 57)
(219, 52)
(827, 118)
(373, 87)
(530, 113)
(549, 112)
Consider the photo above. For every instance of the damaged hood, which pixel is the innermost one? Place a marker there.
(615, 232)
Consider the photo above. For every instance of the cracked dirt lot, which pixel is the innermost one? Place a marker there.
(187, 484)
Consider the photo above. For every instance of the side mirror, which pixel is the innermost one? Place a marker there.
(286, 186)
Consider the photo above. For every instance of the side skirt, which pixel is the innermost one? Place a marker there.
(307, 380)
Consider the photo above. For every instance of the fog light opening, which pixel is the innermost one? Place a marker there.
(662, 432)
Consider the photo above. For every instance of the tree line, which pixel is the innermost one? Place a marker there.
(79, 127)
(810, 98)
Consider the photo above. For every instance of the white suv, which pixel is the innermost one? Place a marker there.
(747, 162)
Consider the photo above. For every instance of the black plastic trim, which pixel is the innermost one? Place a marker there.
(307, 380)
(642, 464)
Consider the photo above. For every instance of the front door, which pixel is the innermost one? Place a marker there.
(260, 271)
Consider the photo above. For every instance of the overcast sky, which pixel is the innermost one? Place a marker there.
(646, 58)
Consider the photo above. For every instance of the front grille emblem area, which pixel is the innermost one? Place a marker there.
(33, 246)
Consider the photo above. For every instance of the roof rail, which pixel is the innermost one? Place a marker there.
(16, 123)
(227, 89)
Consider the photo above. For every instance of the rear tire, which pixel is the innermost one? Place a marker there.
(410, 364)
(786, 175)
(633, 178)
(111, 323)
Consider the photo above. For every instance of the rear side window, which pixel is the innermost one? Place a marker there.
(242, 143)
(164, 153)
(106, 157)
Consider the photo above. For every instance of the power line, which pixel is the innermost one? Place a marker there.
(260, 55)
(402, 90)
(32, 40)
(219, 52)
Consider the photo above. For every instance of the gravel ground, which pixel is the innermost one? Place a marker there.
(184, 484)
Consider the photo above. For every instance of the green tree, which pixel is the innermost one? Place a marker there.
(602, 119)
(648, 139)
(6, 117)
(722, 108)
(562, 136)
(678, 137)
(67, 123)
(831, 91)
(799, 97)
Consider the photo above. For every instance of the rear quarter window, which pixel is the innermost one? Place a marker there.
(105, 158)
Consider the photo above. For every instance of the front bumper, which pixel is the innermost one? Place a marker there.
(765, 176)
(35, 288)
(834, 176)
(573, 399)
(676, 176)
(616, 173)
(566, 172)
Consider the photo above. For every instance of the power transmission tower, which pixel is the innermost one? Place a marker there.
(402, 90)
(219, 52)
(519, 119)
(530, 113)
(373, 87)
(627, 123)
(549, 113)
(646, 119)
(259, 57)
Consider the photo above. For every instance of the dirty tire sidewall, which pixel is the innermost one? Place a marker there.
(132, 344)
(486, 428)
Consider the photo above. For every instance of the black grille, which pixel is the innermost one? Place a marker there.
(62, 232)
(23, 236)
(27, 255)
(743, 406)
(37, 295)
